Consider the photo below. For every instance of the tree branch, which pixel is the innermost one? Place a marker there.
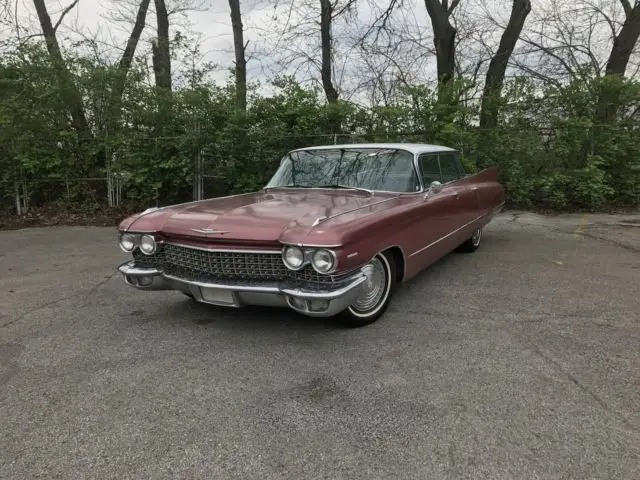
(64, 14)
(453, 6)
(627, 7)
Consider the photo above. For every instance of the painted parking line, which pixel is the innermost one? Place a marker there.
(581, 227)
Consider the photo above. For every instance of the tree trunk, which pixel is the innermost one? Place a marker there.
(444, 37)
(625, 41)
(326, 16)
(68, 90)
(161, 49)
(498, 65)
(621, 51)
(241, 62)
(124, 65)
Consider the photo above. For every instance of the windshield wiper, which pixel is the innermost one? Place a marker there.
(349, 187)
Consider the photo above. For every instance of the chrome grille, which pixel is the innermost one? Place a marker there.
(231, 267)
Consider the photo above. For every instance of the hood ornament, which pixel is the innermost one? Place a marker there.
(209, 231)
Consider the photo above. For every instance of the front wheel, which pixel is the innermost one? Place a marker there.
(472, 244)
(375, 295)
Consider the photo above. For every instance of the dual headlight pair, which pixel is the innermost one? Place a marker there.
(322, 260)
(146, 243)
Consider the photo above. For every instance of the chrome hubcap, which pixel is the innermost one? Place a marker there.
(477, 235)
(373, 289)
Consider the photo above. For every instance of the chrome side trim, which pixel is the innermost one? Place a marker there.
(447, 235)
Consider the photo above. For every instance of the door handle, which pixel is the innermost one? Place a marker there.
(473, 189)
(455, 195)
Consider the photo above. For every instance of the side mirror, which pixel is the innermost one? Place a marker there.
(435, 187)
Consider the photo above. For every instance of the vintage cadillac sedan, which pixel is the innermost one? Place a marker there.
(334, 233)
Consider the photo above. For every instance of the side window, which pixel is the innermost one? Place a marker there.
(430, 169)
(461, 170)
(448, 167)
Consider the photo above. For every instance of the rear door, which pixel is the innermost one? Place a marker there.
(452, 178)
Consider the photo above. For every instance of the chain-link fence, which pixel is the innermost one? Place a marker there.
(176, 169)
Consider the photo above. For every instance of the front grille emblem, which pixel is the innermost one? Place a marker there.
(209, 231)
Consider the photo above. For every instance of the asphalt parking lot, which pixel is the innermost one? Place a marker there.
(521, 360)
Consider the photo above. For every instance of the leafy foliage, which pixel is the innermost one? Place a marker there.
(552, 145)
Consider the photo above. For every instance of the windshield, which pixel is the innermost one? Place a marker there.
(369, 168)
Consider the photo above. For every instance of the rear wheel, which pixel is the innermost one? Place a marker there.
(472, 244)
(376, 292)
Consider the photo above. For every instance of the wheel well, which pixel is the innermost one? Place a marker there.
(398, 258)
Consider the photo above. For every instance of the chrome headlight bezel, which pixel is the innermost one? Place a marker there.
(149, 240)
(333, 261)
(308, 257)
(301, 254)
(130, 239)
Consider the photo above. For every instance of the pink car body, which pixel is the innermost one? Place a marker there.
(245, 249)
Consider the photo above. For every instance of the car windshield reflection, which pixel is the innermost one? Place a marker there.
(366, 169)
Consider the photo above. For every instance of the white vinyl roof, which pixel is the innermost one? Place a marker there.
(414, 148)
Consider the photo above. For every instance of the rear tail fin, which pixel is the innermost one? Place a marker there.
(488, 174)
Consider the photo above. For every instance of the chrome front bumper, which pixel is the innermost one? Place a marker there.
(321, 303)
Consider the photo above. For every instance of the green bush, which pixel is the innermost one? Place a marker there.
(575, 146)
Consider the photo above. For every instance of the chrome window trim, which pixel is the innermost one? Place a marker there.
(355, 147)
(437, 154)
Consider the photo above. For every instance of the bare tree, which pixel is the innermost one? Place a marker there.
(498, 65)
(161, 48)
(240, 59)
(444, 38)
(68, 90)
(124, 65)
(326, 16)
(625, 41)
(310, 40)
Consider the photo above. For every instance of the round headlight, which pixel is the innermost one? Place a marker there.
(127, 242)
(147, 244)
(323, 261)
(293, 257)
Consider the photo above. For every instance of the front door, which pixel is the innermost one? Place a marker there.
(438, 217)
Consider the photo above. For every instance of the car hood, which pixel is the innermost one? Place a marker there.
(258, 217)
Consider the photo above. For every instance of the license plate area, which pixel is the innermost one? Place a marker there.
(218, 296)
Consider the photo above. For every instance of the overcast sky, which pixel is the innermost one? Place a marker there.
(262, 20)
(211, 22)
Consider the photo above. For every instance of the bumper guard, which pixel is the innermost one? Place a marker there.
(315, 303)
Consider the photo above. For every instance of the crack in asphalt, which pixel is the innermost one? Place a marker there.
(574, 232)
(58, 300)
(606, 240)
(559, 369)
(93, 289)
